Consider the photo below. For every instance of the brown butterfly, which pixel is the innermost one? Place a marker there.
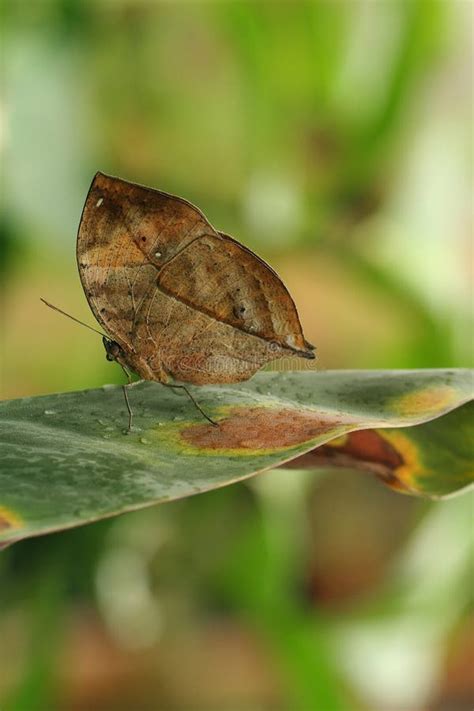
(178, 299)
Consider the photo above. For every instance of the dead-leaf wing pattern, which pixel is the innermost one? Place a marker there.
(165, 285)
(116, 216)
(217, 276)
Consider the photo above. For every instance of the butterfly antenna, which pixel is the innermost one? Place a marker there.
(55, 308)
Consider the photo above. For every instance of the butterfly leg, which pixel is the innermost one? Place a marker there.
(193, 400)
(127, 401)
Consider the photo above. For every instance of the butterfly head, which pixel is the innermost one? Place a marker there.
(112, 349)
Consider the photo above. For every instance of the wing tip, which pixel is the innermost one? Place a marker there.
(309, 355)
(306, 351)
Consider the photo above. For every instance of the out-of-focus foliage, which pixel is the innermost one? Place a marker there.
(332, 137)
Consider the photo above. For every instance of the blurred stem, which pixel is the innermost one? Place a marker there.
(36, 691)
(261, 572)
(328, 24)
(422, 21)
(300, 646)
(245, 25)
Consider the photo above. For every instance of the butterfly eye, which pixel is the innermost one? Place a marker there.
(112, 349)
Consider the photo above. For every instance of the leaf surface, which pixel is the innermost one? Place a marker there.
(67, 460)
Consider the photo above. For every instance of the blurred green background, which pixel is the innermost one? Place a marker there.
(334, 139)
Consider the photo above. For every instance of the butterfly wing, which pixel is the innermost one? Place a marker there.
(179, 297)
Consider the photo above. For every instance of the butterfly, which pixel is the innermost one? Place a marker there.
(179, 300)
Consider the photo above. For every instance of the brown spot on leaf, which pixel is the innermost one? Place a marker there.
(261, 428)
(363, 449)
(368, 446)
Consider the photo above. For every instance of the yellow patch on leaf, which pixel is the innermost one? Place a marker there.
(411, 467)
(429, 401)
(9, 520)
(338, 441)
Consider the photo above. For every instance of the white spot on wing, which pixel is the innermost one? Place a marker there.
(99, 202)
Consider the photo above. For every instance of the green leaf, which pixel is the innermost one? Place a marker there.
(68, 460)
